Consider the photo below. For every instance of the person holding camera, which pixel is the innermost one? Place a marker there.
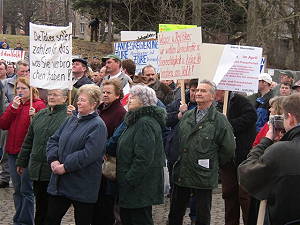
(272, 170)
(275, 109)
(16, 119)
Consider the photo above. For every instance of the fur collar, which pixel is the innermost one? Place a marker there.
(158, 113)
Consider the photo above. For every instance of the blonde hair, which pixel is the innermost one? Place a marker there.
(25, 81)
(276, 103)
(92, 91)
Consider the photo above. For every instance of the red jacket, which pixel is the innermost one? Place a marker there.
(112, 115)
(261, 134)
(17, 121)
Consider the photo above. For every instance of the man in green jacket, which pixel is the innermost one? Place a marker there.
(33, 153)
(205, 142)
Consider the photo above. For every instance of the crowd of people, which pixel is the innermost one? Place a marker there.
(57, 149)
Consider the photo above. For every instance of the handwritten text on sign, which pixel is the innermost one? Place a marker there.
(51, 56)
(11, 55)
(179, 54)
(243, 74)
(142, 53)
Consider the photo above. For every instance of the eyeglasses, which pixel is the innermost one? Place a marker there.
(21, 88)
(54, 95)
(82, 100)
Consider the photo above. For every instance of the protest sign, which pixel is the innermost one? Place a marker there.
(263, 64)
(10, 55)
(172, 27)
(239, 68)
(180, 54)
(51, 56)
(142, 53)
(137, 35)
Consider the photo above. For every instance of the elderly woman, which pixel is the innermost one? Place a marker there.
(33, 153)
(16, 120)
(75, 154)
(112, 112)
(140, 158)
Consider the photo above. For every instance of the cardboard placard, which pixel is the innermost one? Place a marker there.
(51, 56)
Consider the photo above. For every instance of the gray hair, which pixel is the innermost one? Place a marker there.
(93, 92)
(21, 63)
(63, 91)
(146, 95)
(211, 84)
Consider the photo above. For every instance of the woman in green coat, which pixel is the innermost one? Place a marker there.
(140, 158)
(33, 153)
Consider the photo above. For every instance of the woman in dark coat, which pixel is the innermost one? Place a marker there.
(33, 154)
(140, 158)
(75, 155)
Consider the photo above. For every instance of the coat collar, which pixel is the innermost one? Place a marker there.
(291, 134)
(28, 101)
(158, 113)
(57, 108)
(113, 105)
(87, 117)
(210, 116)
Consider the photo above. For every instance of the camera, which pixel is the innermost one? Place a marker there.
(277, 122)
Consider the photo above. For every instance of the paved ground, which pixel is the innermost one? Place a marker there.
(160, 212)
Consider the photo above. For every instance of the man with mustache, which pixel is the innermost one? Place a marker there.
(150, 78)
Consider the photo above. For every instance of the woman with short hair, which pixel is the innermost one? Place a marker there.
(141, 158)
(275, 109)
(33, 153)
(75, 154)
(16, 120)
(112, 112)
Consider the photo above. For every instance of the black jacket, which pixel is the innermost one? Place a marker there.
(82, 81)
(242, 117)
(272, 172)
(172, 122)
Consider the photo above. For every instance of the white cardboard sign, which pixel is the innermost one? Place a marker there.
(137, 35)
(10, 55)
(51, 56)
(180, 54)
(143, 53)
(239, 68)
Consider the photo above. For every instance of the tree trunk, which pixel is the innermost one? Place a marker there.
(295, 34)
(184, 4)
(13, 29)
(46, 12)
(197, 12)
(129, 15)
(110, 22)
(67, 12)
(26, 26)
(251, 22)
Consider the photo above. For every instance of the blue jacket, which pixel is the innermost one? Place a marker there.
(80, 145)
(261, 104)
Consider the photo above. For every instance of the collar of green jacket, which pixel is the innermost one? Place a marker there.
(57, 108)
(158, 113)
(210, 116)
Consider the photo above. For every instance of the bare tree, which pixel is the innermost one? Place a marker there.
(67, 11)
(197, 12)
